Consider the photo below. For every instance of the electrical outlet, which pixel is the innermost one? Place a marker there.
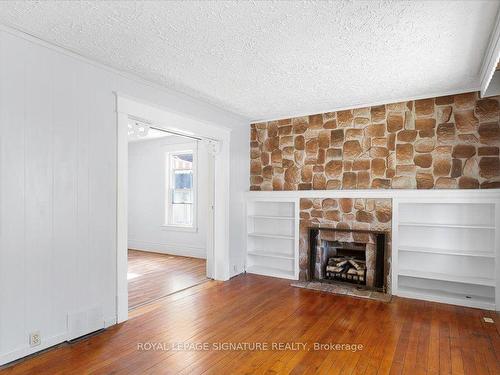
(35, 338)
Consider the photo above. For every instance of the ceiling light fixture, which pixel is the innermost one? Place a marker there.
(137, 130)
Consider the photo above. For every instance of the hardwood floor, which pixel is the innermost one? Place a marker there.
(153, 275)
(401, 337)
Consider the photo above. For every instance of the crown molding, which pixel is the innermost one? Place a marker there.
(369, 104)
(23, 34)
(491, 57)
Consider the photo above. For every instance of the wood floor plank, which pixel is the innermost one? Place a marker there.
(444, 348)
(154, 275)
(433, 351)
(403, 342)
(403, 336)
(421, 363)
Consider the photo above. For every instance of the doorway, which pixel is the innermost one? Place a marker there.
(169, 200)
(214, 141)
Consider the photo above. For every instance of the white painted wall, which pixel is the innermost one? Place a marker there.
(146, 200)
(58, 189)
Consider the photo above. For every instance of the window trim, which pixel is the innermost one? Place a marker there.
(170, 150)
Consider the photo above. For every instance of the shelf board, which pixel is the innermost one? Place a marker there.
(271, 217)
(270, 254)
(446, 297)
(270, 235)
(446, 277)
(271, 271)
(430, 250)
(407, 224)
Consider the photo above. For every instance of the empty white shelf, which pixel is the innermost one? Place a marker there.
(430, 250)
(272, 217)
(447, 250)
(272, 238)
(270, 271)
(446, 277)
(408, 224)
(270, 254)
(271, 235)
(447, 297)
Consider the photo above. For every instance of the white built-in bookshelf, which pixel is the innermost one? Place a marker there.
(272, 248)
(446, 251)
(445, 244)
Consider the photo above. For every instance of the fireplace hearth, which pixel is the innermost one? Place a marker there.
(334, 258)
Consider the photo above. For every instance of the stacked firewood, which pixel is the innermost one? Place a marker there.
(346, 268)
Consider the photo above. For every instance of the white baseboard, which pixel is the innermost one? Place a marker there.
(235, 272)
(172, 249)
(27, 350)
(110, 321)
(86, 321)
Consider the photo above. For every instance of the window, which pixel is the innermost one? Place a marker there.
(181, 191)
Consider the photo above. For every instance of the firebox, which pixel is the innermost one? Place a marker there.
(348, 256)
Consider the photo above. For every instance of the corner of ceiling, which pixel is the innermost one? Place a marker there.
(239, 119)
(363, 105)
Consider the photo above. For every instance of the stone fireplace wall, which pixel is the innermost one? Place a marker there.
(345, 213)
(442, 143)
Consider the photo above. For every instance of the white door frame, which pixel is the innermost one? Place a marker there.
(218, 239)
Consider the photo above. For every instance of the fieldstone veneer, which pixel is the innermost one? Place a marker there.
(345, 213)
(443, 143)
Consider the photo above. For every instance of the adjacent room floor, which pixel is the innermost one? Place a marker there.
(404, 336)
(153, 275)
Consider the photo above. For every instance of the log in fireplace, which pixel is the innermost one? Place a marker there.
(345, 255)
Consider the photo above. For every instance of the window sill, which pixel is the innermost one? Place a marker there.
(179, 228)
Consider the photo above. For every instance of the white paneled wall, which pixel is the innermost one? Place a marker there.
(58, 189)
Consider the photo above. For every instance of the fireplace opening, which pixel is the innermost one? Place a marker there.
(347, 263)
(348, 256)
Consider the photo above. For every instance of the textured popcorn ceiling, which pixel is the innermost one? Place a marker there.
(267, 60)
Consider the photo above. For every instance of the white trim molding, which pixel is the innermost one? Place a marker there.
(324, 109)
(490, 59)
(26, 35)
(26, 350)
(439, 194)
(168, 248)
(168, 151)
(167, 120)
